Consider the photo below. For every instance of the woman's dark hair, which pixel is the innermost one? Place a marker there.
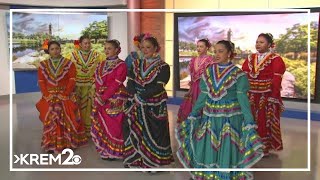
(115, 43)
(267, 36)
(153, 41)
(206, 42)
(83, 38)
(229, 46)
(51, 43)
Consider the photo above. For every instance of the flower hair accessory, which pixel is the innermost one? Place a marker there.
(137, 39)
(45, 44)
(148, 35)
(76, 44)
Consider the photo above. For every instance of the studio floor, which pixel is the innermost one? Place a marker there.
(27, 131)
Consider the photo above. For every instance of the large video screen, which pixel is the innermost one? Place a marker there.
(31, 29)
(290, 31)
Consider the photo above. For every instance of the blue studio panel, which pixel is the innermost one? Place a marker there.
(26, 81)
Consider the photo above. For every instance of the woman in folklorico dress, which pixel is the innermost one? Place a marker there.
(220, 130)
(196, 67)
(146, 131)
(110, 99)
(85, 60)
(59, 113)
(265, 70)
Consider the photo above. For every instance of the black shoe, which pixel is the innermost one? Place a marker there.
(50, 152)
(109, 159)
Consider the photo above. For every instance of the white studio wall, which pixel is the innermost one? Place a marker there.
(118, 29)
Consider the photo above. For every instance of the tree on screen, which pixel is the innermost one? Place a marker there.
(96, 30)
(296, 39)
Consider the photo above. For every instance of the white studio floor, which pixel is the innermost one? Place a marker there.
(27, 131)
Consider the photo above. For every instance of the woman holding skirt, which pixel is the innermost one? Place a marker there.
(59, 113)
(220, 131)
(108, 107)
(147, 139)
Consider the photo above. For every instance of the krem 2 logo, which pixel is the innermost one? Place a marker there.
(48, 159)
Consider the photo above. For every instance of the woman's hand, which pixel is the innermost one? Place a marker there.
(48, 98)
(63, 97)
(98, 99)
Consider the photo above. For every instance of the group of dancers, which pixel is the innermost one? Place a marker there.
(230, 117)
